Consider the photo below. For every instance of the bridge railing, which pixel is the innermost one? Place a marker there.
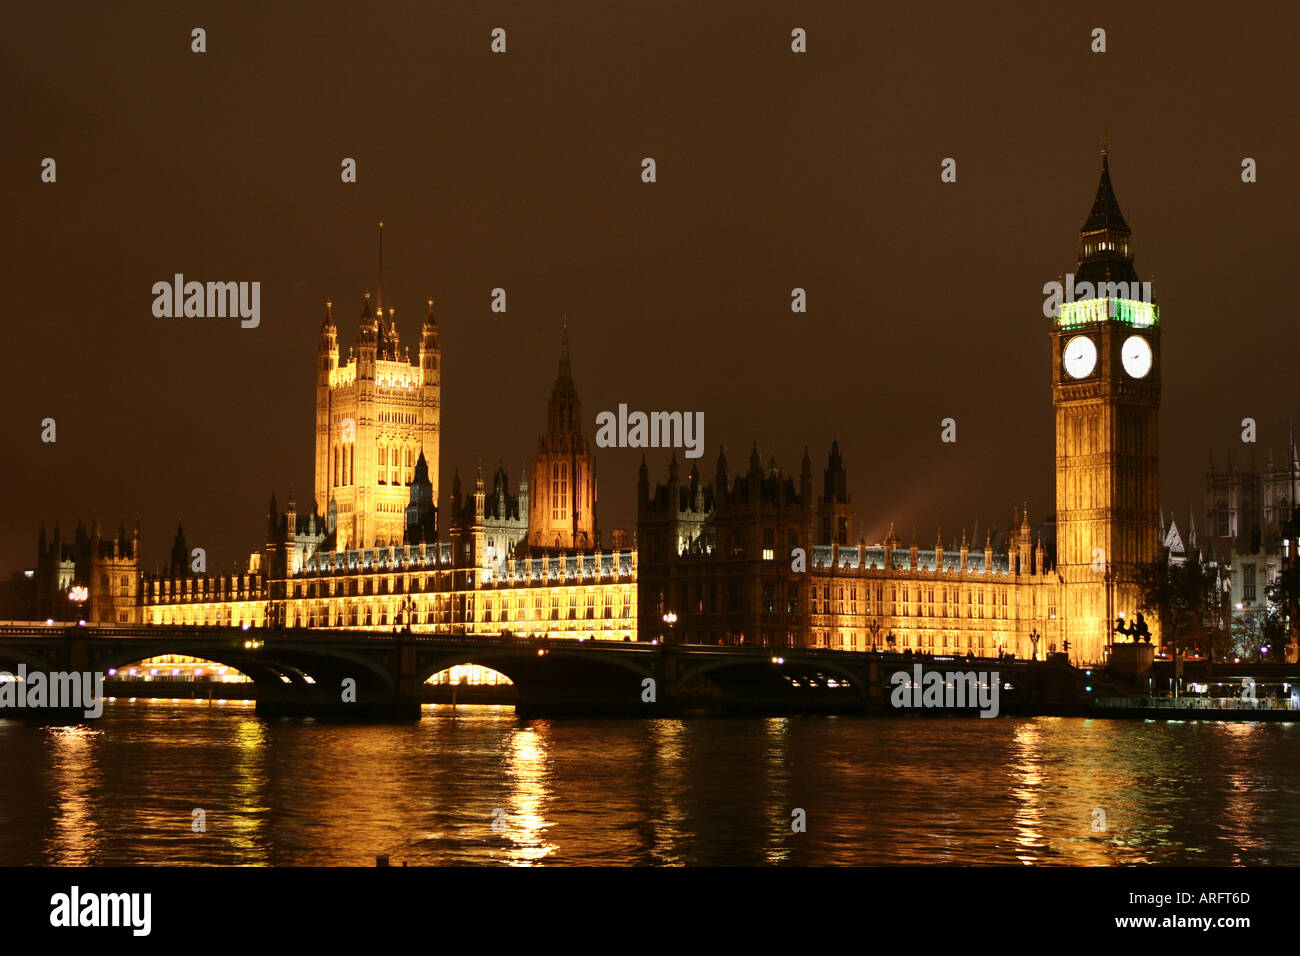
(165, 632)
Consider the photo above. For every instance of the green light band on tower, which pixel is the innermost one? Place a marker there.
(1125, 311)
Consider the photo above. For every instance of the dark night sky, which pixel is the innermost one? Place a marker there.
(522, 171)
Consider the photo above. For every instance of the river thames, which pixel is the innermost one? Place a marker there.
(482, 787)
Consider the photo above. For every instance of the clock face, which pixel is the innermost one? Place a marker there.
(1137, 356)
(1080, 356)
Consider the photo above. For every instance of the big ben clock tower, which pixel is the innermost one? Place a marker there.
(1106, 390)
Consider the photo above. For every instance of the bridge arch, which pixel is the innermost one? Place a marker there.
(522, 663)
(247, 665)
(791, 666)
(11, 657)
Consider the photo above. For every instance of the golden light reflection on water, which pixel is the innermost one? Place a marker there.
(776, 778)
(653, 792)
(248, 809)
(668, 784)
(75, 836)
(528, 770)
(1026, 793)
(1243, 798)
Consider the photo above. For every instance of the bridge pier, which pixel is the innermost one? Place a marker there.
(326, 703)
(581, 698)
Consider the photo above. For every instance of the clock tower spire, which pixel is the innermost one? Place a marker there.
(1106, 393)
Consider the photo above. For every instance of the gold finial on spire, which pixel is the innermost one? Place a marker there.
(1105, 144)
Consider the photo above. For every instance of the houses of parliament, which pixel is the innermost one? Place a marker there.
(749, 555)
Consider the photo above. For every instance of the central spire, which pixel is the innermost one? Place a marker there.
(564, 409)
(1105, 253)
(565, 373)
(1105, 208)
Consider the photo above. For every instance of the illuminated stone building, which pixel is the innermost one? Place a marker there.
(375, 415)
(562, 511)
(584, 594)
(485, 527)
(1106, 392)
(719, 561)
(485, 580)
(752, 557)
(90, 578)
(757, 560)
(1248, 512)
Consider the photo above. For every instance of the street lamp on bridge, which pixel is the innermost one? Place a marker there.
(79, 594)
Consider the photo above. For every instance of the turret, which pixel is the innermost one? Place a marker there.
(523, 489)
(642, 486)
(329, 346)
(421, 515)
(429, 351)
(179, 566)
(1025, 540)
(367, 347)
(835, 480)
(754, 477)
(805, 480)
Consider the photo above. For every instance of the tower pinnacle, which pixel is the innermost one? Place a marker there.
(566, 366)
(1105, 254)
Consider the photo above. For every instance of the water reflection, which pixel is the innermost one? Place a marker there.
(75, 836)
(526, 823)
(653, 792)
(1026, 792)
(779, 818)
(667, 783)
(248, 805)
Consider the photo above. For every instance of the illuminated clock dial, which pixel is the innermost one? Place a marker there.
(1137, 356)
(1080, 356)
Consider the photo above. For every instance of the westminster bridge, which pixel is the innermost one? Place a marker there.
(310, 672)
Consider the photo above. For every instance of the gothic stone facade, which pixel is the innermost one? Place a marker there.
(720, 561)
(490, 577)
(757, 560)
(375, 415)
